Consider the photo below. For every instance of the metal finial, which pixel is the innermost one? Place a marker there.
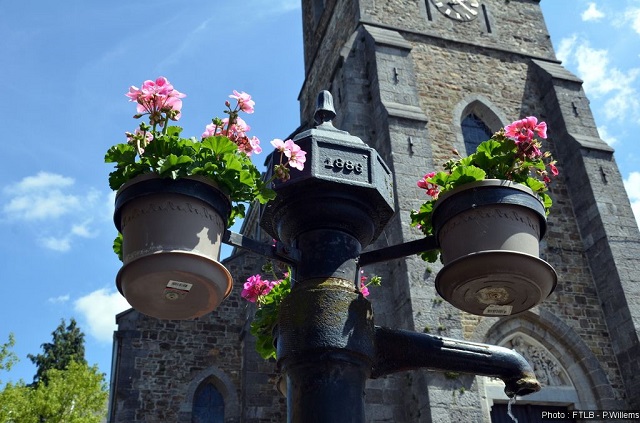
(324, 108)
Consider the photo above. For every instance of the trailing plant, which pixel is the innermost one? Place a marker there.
(268, 296)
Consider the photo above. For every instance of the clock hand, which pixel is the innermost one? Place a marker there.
(461, 3)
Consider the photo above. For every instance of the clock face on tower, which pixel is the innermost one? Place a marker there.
(459, 10)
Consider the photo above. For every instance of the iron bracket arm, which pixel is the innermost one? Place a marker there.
(398, 251)
(278, 251)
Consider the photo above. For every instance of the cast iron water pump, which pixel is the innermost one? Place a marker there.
(327, 343)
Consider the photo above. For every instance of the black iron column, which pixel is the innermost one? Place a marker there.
(329, 212)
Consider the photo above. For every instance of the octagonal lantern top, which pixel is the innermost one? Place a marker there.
(345, 185)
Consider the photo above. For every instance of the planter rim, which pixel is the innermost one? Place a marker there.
(197, 186)
(503, 183)
(485, 193)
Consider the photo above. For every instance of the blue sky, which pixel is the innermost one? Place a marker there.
(67, 65)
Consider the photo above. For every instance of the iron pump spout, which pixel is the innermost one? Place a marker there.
(398, 350)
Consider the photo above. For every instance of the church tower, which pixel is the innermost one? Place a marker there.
(415, 79)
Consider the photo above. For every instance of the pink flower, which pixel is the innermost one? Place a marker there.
(244, 101)
(211, 130)
(255, 287)
(364, 290)
(523, 130)
(295, 154)
(254, 142)
(157, 97)
(554, 169)
(278, 144)
(432, 189)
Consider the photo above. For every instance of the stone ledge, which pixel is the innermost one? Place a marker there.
(592, 143)
(556, 70)
(387, 37)
(404, 111)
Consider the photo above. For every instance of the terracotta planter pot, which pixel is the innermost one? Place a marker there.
(489, 233)
(172, 231)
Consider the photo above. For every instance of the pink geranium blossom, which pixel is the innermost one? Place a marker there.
(255, 287)
(364, 290)
(244, 101)
(524, 129)
(158, 99)
(295, 154)
(432, 189)
(278, 144)
(211, 130)
(523, 132)
(255, 145)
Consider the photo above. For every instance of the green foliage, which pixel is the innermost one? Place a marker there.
(67, 345)
(266, 318)
(76, 394)
(7, 357)
(65, 393)
(170, 156)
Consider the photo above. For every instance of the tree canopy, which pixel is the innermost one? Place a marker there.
(67, 345)
(65, 389)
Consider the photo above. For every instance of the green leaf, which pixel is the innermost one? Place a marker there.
(467, 174)
(117, 246)
(174, 131)
(121, 153)
(535, 185)
(220, 145)
(173, 162)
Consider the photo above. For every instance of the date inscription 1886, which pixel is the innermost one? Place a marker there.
(346, 166)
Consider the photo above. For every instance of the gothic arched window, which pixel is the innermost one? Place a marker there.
(208, 405)
(474, 131)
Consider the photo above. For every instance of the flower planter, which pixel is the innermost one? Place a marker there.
(489, 233)
(172, 231)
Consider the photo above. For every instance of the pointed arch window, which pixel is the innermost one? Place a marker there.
(474, 131)
(208, 404)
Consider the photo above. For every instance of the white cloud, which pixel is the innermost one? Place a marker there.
(59, 299)
(99, 309)
(61, 245)
(566, 47)
(40, 197)
(592, 13)
(56, 208)
(632, 185)
(632, 16)
(83, 230)
(615, 87)
(41, 181)
(606, 136)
